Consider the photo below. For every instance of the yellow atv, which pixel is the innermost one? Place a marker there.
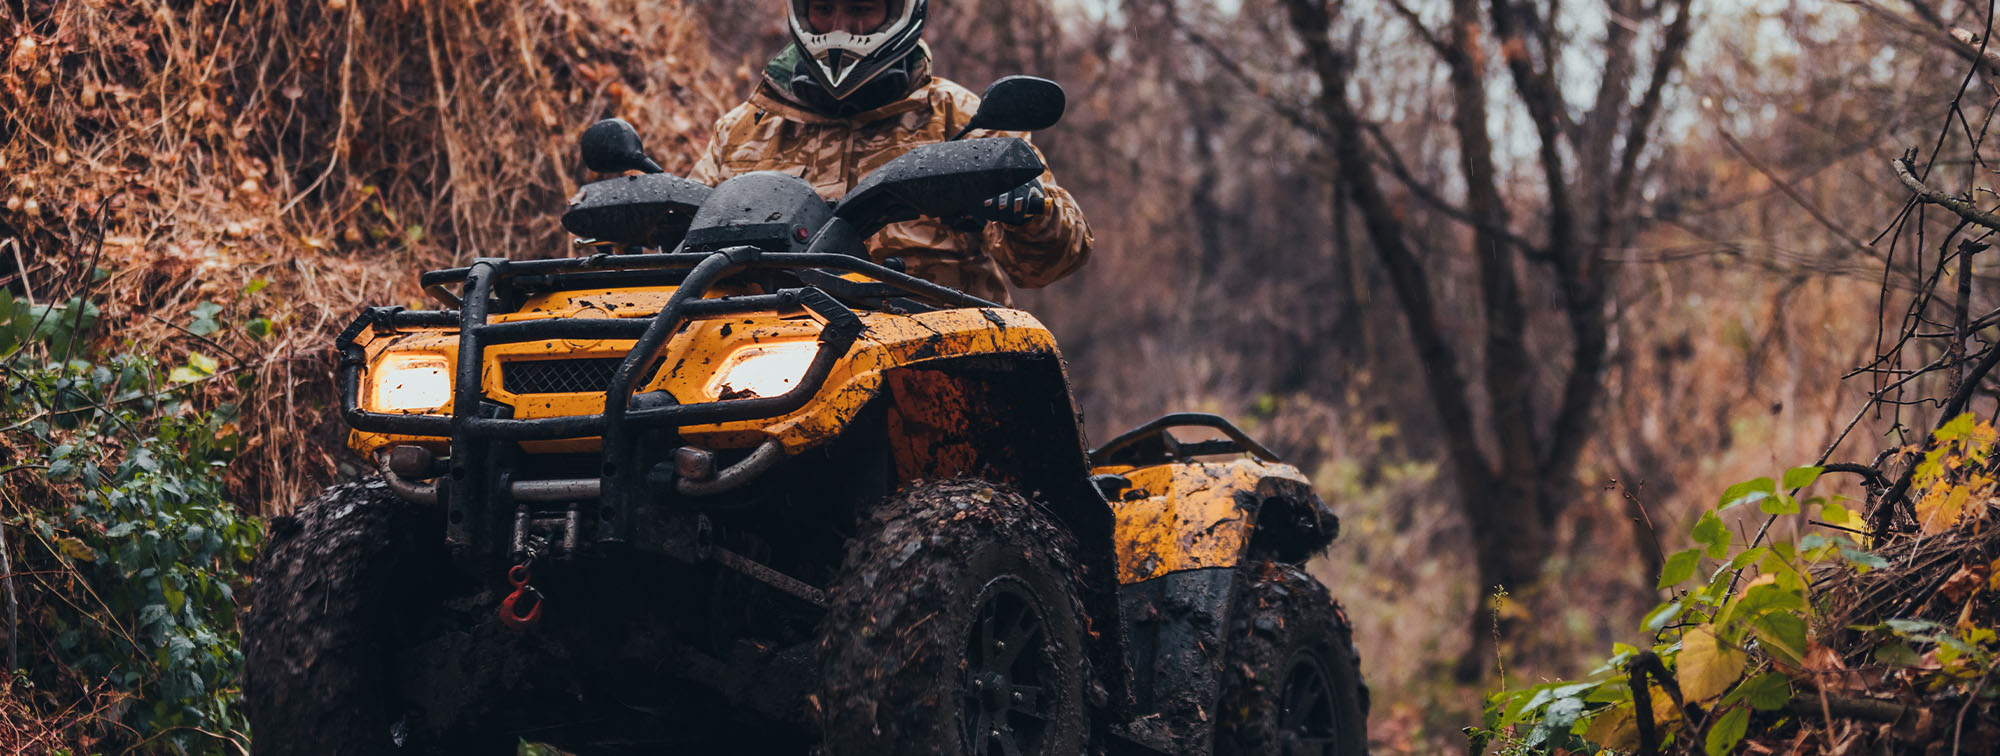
(758, 494)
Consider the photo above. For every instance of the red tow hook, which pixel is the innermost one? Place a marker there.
(512, 613)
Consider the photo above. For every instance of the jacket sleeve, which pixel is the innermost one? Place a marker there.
(1046, 248)
(708, 168)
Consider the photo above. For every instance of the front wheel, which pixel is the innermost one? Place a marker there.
(954, 628)
(1292, 683)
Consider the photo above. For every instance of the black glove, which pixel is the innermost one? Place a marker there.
(1014, 206)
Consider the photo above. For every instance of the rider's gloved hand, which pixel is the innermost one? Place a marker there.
(1014, 206)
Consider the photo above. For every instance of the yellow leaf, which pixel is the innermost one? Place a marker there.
(1664, 711)
(1707, 667)
(1842, 517)
(75, 548)
(1941, 507)
(1616, 729)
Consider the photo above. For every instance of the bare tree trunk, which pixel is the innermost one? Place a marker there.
(1513, 497)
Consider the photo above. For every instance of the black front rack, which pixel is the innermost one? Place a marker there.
(474, 426)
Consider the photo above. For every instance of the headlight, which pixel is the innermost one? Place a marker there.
(405, 381)
(762, 370)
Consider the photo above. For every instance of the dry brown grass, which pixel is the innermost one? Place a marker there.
(333, 149)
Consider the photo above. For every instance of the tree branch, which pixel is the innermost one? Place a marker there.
(1286, 110)
(1393, 160)
(1417, 25)
(1925, 194)
(1407, 278)
(1791, 192)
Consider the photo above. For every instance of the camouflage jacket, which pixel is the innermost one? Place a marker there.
(773, 133)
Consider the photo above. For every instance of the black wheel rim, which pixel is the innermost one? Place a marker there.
(1306, 720)
(1007, 688)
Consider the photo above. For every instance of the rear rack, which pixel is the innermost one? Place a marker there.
(1151, 443)
(475, 424)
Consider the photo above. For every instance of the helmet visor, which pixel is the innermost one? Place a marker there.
(851, 16)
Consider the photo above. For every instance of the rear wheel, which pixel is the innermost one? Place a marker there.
(1292, 683)
(955, 628)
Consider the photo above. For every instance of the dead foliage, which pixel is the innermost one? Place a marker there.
(331, 149)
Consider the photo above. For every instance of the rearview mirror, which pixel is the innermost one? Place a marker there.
(612, 146)
(1018, 103)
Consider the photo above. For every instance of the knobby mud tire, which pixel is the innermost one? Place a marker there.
(319, 641)
(909, 599)
(1284, 630)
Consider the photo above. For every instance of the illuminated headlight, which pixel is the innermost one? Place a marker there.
(407, 381)
(762, 370)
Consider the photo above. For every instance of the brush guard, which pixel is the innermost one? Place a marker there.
(477, 484)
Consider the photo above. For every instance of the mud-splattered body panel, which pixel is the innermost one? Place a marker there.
(1189, 515)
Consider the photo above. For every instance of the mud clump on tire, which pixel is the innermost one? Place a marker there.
(909, 615)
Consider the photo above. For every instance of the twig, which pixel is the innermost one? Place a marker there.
(13, 603)
(21, 266)
(1928, 195)
(1791, 192)
(203, 339)
(1391, 159)
(89, 276)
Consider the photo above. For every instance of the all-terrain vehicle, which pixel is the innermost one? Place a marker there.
(759, 494)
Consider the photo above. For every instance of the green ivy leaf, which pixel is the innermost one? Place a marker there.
(1663, 615)
(1863, 561)
(1800, 477)
(1558, 720)
(1727, 732)
(1897, 655)
(204, 319)
(1747, 491)
(1679, 568)
(1783, 635)
(255, 285)
(1778, 504)
(1909, 627)
(1709, 530)
(1770, 597)
(1766, 692)
(1748, 557)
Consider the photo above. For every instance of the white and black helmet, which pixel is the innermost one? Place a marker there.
(842, 62)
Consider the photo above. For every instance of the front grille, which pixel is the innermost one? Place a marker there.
(558, 376)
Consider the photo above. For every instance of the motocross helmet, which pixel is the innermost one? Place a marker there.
(840, 63)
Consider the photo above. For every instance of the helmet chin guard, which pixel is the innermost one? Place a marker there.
(841, 61)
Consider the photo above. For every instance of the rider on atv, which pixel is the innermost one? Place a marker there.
(854, 90)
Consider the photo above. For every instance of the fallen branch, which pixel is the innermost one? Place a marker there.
(1963, 208)
(1870, 709)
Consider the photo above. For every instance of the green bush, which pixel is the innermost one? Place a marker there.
(136, 550)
